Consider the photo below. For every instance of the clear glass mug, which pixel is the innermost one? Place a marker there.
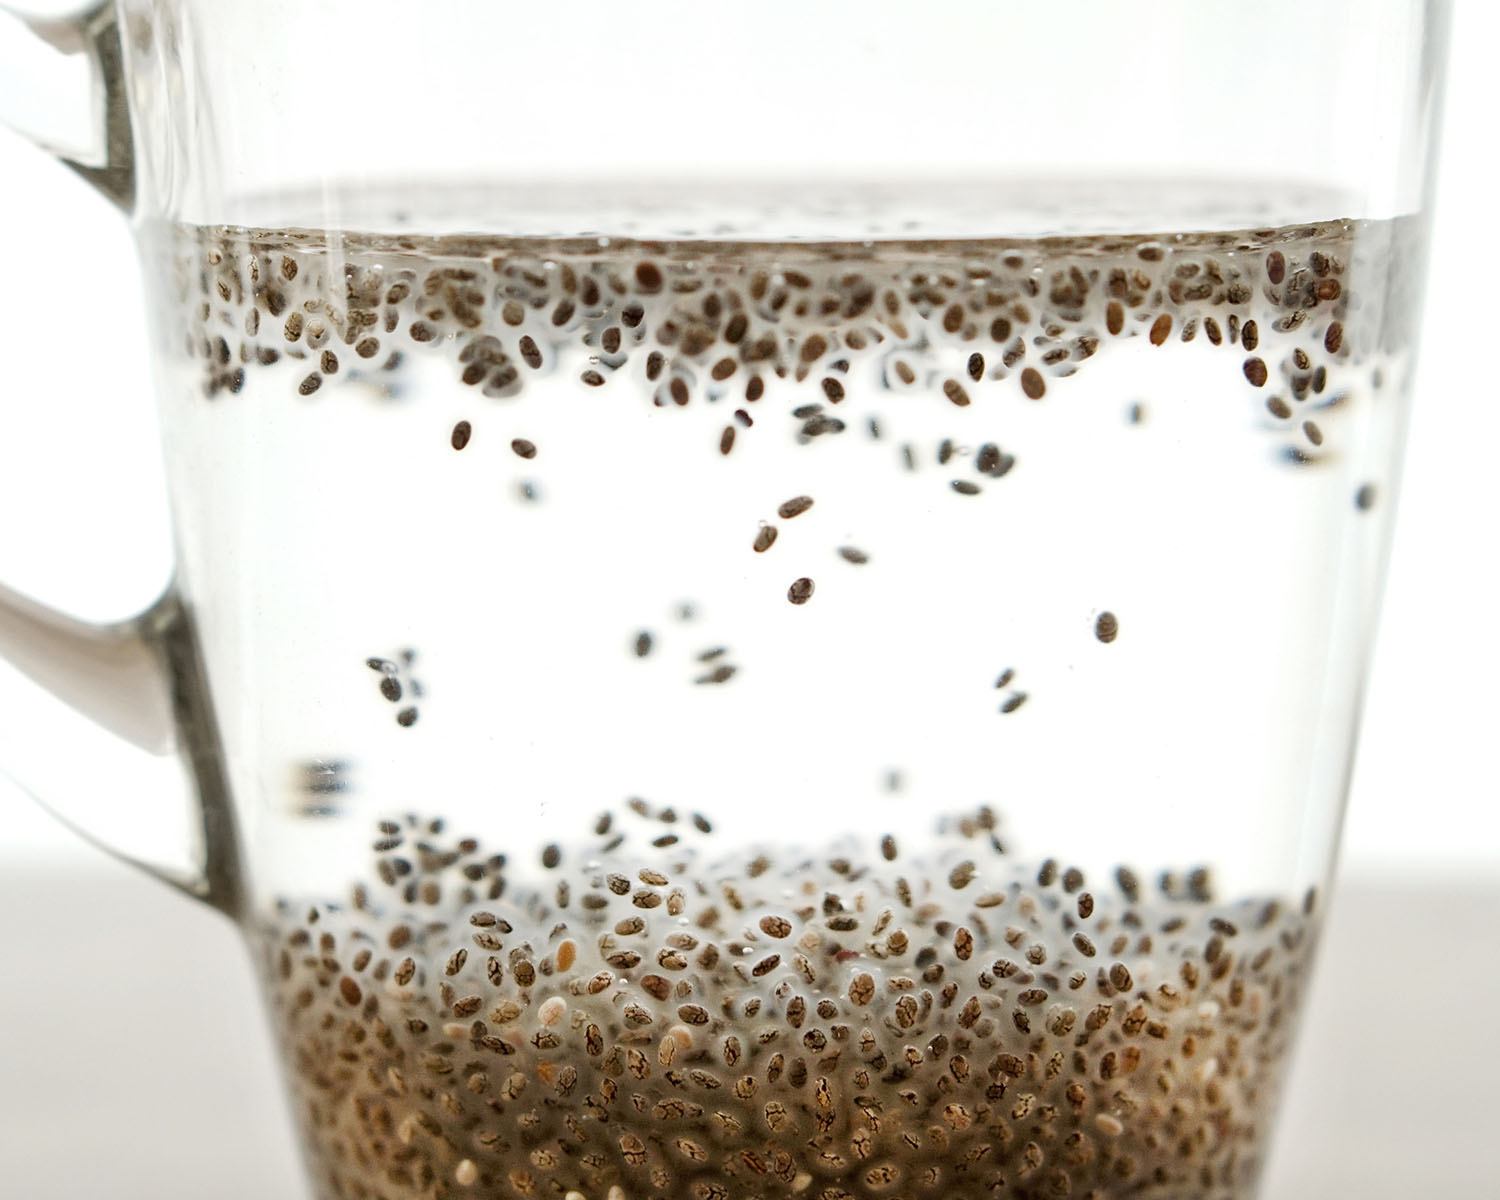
(761, 609)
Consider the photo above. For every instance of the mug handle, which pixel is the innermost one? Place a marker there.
(37, 51)
(91, 715)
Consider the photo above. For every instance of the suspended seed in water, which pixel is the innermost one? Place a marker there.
(1255, 372)
(406, 717)
(765, 539)
(850, 554)
(1106, 627)
(964, 488)
(1161, 329)
(1013, 702)
(390, 688)
(726, 440)
(801, 591)
(461, 434)
(955, 392)
(1033, 384)
(794, 507)
(648, 277)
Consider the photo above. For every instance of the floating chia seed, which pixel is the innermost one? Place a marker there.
(406, 718)
(801, 591)
(794, 507)
(765, 539)
(461, 435)
(1033, 384)
(1106, 627)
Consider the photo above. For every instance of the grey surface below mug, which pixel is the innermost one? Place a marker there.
(154, 1046)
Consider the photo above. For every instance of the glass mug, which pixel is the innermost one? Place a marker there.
(773, 609)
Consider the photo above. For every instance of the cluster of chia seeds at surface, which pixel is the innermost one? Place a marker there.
(801, 342)
(724, 323)
(636, 1016)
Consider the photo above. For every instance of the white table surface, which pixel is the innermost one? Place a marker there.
(135, 1064)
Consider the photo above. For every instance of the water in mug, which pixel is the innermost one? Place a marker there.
(724, 667)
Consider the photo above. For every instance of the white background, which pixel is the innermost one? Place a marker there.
(83, 522)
